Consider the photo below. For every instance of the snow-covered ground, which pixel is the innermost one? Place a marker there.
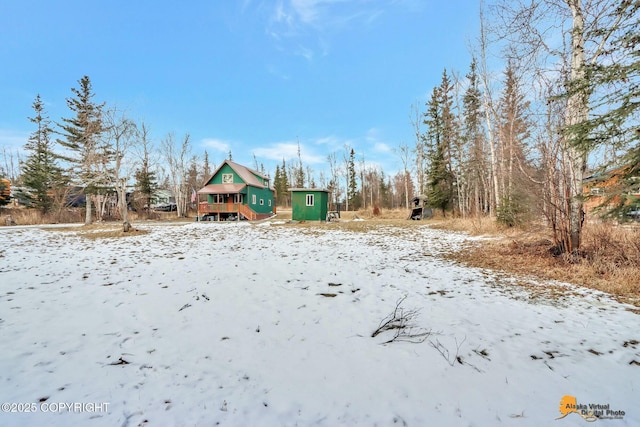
(233, 324)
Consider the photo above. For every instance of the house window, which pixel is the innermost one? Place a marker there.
(310, 200)
(253, 199)
(269, 202)
(261, 202)
(237, 198)
(227, 178)
(597, 191)
(217, 198)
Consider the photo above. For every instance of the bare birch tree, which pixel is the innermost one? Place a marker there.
(176, 161)
(489, 115)
(415, 117)
(404, 154)
(121, 134)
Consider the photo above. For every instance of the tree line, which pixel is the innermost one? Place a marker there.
(98, 151)
(568, 97)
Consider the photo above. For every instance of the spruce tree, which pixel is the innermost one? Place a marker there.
(281, 184)
(614, 85)
(40, 172)
(146, 180)
(146, 183)
(82, 140)
(474, 138)
(437, 141)
(514, 128)
(352, 185)
(206, 167)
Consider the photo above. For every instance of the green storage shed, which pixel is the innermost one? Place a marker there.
(309, 204)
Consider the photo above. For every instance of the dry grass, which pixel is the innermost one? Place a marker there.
(356, 221)
(25, 216)
(610, 260)
(99, 231)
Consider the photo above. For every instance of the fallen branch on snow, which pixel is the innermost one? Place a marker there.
(402, 323)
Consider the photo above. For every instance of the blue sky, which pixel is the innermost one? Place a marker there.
(248, 76)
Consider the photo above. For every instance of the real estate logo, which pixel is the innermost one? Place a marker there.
(590, 412)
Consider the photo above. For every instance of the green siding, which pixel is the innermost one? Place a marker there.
(264, 194)
(217, 178)
(301, 212)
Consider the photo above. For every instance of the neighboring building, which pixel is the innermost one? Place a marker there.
(236, 192)
(602, 191)
(162, 197)
(5, 191)
(309, 204)
(420, 210)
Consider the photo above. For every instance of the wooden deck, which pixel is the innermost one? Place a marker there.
(221, 209)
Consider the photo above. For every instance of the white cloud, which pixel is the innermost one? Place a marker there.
(299, 19)
(332, 141)
(288, 150)
(381, 147)
(375, 140)
(216, 144)
(11, 139)
(274, 70)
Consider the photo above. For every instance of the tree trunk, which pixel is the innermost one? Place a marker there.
(494, 202)
(577, 112)
(121, 190)
(87, 217)
(406, 188)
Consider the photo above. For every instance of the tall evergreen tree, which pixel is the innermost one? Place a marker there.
(41, 173)
(146, 179)
(439, 138)
(146, 183)
(473, 135)
(298, 173)
(614, 85)
(513, 128)
(82, 140)
(352, 185)
(206, 167)
(281, 185)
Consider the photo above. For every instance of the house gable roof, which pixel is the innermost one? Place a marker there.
(249, 176)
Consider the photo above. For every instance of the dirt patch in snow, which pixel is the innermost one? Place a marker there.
(100, 231)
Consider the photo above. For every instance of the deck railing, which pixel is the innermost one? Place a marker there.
(205, 207)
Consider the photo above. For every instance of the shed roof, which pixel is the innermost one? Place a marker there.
(310, 189)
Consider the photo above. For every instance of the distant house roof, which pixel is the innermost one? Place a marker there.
(604, 175)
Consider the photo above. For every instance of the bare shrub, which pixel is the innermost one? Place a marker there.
(402, 323)
(449, 356)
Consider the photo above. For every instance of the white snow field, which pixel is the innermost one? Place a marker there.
(237, 324)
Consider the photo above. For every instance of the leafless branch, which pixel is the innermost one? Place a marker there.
(444, 351)
(402, 323)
